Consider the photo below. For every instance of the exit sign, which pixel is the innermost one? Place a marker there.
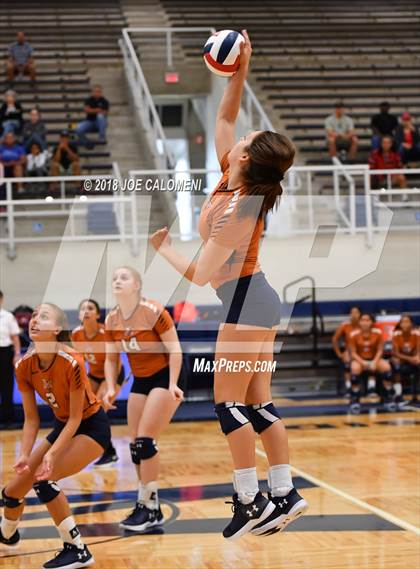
(171, 77)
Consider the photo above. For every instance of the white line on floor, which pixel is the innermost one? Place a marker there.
(365, 505)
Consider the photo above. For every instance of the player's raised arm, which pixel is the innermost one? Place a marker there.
(231, 102)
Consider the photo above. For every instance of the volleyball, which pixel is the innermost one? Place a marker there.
(221, 52)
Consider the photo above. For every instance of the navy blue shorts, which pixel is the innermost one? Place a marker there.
(144, 385)
(120, 379)
(250, 300)
(96, 427)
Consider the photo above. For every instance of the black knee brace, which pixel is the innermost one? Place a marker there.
(355, 380)
(146, 447)
(46, 490)
(386, 376)
(262, 416)
(135, 453)
(232, 415)
(9, 502)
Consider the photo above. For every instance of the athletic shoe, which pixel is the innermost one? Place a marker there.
(71, 557)
(13, 540)
(142, 518)
(247, 516)
(355, 406)
(288, 509)
(108, 458)
(371, 393)
(401, 402)
(389, 402)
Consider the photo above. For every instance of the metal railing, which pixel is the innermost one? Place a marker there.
(57, 204)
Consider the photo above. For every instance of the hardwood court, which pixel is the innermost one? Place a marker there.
(360, 476)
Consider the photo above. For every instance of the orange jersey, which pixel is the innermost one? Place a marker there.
(366, 346)
(139, 336)
(407, 344)
(219, 221)
(346, 329)
(54, 384)
(93, 349)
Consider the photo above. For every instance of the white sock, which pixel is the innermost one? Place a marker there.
(371, 383)
(245, 483)
(139, 492)
(148, 495)
(69, 533)
(347, 383)
(8, 527)
(280, 480)
(398, 389)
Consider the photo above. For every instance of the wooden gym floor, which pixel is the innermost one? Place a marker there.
(360, 476)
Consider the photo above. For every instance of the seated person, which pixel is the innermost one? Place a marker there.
(407, 139)
(366, 357)
(36, 161)
(20, 58)
(405, 355)
(382, 124)
(340, 132)
(96, 109)
(12, 156)
(34, 131)
(11, 114)
(344, 331)
(65, 158)
(385, 158)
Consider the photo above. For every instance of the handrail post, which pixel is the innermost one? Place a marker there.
(368, 208)
(169, 61)
(11, 246)
(134, 233)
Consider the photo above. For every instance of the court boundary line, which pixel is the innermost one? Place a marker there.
(362, 504)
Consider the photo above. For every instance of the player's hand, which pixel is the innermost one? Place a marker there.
(16, 358)
(45, 470)
(161, 239)
(108, 399)
(21, 466)
(245, 50)
(176, 392)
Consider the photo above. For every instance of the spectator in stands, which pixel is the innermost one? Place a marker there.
(9, 354)
(20, 59)
(36, 161)
(385, 158)
(65, 159)
(12, 156)
(383, 124)
(11, 114)
(96, 109)
(340, 132)
(34, 131)
(408, 139)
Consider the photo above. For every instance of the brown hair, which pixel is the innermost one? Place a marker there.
(134, 273)
(271, 155)
(61, 320)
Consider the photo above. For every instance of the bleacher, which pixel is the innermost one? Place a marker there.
(68, 38)
(306, 55)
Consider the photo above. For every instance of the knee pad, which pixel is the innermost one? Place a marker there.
(355, 379)
(386, 376)
(46, 490)
(147, 447)
(135, 453)
(232, 415)
(262, 416)
(9, 502)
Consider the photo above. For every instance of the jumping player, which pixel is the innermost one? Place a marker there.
(405, 355)
(231, 224)
(343, 332)
(89, 340)
(145, 331)
(81, 433)
(366, 347)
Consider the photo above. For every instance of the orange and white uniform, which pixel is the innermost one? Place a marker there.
(221, 222)
(54, 384)
(93, 349)
(366, 346)
(406, 344)
(139, 336)
(346, 329)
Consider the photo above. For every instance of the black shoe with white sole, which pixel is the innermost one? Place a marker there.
(401, 402)
(142, 518)
(247, 516)
(71, 557)
(355, 406)
(288, 509)
(13, 540)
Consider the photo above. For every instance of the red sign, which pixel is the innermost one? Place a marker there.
(171, 77)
